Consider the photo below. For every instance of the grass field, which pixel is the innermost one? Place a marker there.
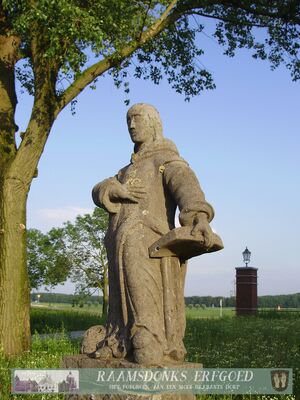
(209, 312)
(54, 320)
(97, 309)
(45, 318)
(261, 342)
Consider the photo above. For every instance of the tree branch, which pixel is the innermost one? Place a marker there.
(255, 8)
(172, 13)
(257, 11)
(225, 19)
(91, 73)
(8, 99)
(145, 17)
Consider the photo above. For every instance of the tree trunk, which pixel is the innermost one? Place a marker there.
(14, 288)
(14, 293)
(105, 291)
(17, 168)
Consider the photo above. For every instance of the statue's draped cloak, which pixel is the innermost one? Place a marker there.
(147, 293)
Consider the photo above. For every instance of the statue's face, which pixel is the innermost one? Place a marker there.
(140, 128)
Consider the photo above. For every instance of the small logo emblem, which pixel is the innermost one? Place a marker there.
(280, 379)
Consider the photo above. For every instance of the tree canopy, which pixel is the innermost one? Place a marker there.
(47, 260)
(156, 37)
(75, 251)
(84, 242)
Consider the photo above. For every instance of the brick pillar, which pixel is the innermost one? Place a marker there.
(246, 291)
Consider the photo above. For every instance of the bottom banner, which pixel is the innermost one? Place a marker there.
(152, 381)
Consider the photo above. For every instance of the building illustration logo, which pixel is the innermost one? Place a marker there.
(45, 381)
(280, 380)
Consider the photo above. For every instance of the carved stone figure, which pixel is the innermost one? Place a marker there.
(146, 255)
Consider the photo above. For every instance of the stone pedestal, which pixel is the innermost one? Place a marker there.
(84, 361)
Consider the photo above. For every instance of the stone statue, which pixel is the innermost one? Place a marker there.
(146, 255)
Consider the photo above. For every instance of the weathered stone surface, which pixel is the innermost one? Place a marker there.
(146, 320)
(91, 338)
(147, 256)
(84, 361)
(179, 242)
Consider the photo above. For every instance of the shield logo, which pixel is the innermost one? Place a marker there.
(280, 379)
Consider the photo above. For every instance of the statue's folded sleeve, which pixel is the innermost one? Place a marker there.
(101, 195)
(184, 186)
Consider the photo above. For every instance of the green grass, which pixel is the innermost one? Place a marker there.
(45, 318)
(94, 309)
(209, 312)
(194, 312)
(245, 343)
(285, 314)
(51, 320)
(227, 342)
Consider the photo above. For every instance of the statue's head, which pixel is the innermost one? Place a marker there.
(144, 123)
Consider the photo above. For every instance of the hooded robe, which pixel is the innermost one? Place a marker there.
(146, 295)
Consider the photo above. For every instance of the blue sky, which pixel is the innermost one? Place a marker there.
(242, 140)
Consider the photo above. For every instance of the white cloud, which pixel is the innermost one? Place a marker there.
(47, 218)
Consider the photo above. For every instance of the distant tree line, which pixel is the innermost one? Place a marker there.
(74, 299)
(284, 300)
(209, 301)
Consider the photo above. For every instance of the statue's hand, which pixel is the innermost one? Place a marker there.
(201, 228)
(127, 192)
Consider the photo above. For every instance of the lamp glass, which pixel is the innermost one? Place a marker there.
(246, 256)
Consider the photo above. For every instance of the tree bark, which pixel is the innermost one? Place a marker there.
(14, 288)
(14, 293)
(8, 100)
(15, 182)
(17, 169)
(14, 283)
